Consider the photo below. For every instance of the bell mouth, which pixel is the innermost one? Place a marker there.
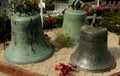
(95, 69)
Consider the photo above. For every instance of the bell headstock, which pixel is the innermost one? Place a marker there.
(94, 20)
(75, 4)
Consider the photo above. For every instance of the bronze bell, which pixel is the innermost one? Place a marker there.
(92, 53)
(28, 44)
(74, 18)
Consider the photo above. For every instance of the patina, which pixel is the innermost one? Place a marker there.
(28, 43)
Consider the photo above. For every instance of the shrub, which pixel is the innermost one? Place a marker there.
(62, 39)
(49, 4)
(111, 20)
(5, 27)
(24, 6)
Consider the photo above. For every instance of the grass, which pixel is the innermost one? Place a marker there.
(62, 39)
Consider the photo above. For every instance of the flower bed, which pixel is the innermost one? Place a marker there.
(111, 15)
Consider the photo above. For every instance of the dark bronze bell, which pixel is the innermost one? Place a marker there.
(28, 44)
(92, 53)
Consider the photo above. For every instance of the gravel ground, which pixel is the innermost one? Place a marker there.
(62, 56)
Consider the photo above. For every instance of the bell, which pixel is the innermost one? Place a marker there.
(73, 20)
(92, 53)
(28, 44)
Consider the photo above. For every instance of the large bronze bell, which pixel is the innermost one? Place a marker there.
(92, 53)
(28, 44)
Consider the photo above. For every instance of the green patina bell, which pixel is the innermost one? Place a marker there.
(92, 53)
(74, 18)
(28, 44)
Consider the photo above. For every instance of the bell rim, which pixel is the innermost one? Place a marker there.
(105, 69)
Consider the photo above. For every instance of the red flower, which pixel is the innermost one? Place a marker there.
(64, 69)
(60, 66)
(61, 74)
(51, 20)
(107, 8)
(98, 8)
(68, 67)
(116, 7)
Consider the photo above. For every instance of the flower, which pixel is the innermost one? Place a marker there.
(24, 6)
(99, 10)
(51, 20)
(65, 69)
(117, 8)
(60, 66)
(61, 74)
(106, 8)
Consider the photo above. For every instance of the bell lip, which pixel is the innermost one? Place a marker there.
(10, 61)
(97, 70)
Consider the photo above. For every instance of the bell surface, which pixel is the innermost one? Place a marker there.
(73, 20)
(92, 53)
(28, 44)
